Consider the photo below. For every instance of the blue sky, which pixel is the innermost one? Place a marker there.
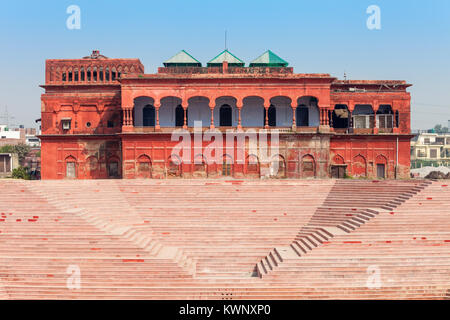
(323, 36)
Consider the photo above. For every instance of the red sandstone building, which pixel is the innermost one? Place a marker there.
(106, 118)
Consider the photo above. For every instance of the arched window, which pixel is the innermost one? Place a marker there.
(88, 74)
(174, 166)
(148, 116)
(71, 167)
(225, 116)
(272, 114)
(308, 166)
(82, 74)
(144, 166)
(278, 167)
(363, 116)
(200, 168)
(227, 166)
(359, 166)
(302, 116)
(385, 116)
(340, 116)
(179, 116)
(94, 74)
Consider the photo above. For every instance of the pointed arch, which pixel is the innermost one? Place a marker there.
(381, 163)
(359, 166)
(338, 159)
(144, 167)
(308, 166)
(174, 166)
(252, 166)
(278, 166)
(200, 169)
(71, 167)
(227, 166)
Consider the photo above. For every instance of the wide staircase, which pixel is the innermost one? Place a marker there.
(403, 253)
(44, 248)
(225, 226)
(349, 205)
(201, 239)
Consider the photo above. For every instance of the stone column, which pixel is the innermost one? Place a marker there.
(266, 110)
(294, 111)
(351, 107)
(211, 126)
(375, 107)
(239, 106)
(130, 117)
(157, 106)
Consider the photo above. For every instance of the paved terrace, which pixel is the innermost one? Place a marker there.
(219, 239)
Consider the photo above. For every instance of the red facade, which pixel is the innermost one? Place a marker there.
(106, 118)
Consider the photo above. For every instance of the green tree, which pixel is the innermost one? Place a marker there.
(20, 149)
(21, 173)
(440, 129)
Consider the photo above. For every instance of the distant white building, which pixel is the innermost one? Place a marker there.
(8, 133)
(32, 141)
(431, 146)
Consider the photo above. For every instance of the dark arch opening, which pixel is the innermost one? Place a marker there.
(340, 116)
(148, 116)
(272, 114)
(179, 116)
(225, 116)
(302, 116)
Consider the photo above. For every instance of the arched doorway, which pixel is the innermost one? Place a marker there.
(308, 166)
(381, 166)
(179, 116)
(174, 167)
(385, 118)
(148, 116)
(338, 167)
(253, 112)
(200, 167)
(359, 166)
(278, 167)
(225, 116)
(301, 116)
(227, 166)
(71, 167)
(307, 112)
(363, 116)
(340, 117)
(144, 167)
(252, 166)
(272, 114)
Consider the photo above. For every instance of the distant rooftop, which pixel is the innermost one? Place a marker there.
(96, 55)
(226, 55)
(182, 59)
(269, 59)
